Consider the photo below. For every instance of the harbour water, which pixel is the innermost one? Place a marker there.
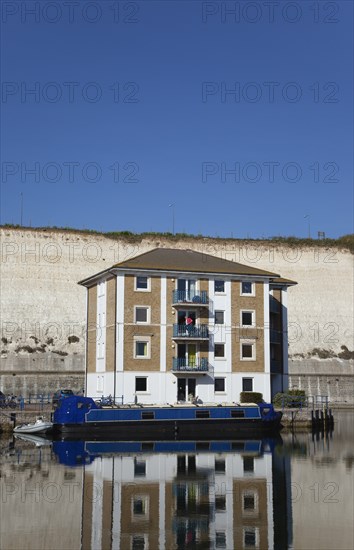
(294, 492)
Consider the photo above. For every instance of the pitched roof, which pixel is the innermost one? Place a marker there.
(171, 259)
(283, 282)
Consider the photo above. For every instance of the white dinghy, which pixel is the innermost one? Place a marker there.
(39, 426)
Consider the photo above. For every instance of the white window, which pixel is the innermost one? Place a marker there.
(139, 542)
(247, 288)
(248, 318)
(219, 317)
(99, 382)
(220, 539)
(250, 537)
(219, 385)
(219, 351)
(142, 283)
(140, 507)
(248, 351)
(141, 347)
(250, 502)
(247, 384)
(142, 314)
(140, 384)
(219, 287)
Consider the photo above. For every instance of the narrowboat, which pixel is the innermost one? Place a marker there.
(79, 416)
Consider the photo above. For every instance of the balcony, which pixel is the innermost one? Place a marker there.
(275, 337)
(193, 365)
(190, 298)
(191, 332)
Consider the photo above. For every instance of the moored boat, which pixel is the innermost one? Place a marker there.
(79, 416)
(39, 440)
(39, 426)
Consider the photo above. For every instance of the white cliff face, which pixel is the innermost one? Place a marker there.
(44, 309)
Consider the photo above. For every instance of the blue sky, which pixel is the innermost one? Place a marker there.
(243, 121)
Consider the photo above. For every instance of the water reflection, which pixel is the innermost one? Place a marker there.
(166, 495)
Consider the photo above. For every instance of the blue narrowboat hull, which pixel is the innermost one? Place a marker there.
(82, 418)
(165, 430)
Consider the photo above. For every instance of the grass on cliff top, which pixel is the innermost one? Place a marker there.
(345, 241)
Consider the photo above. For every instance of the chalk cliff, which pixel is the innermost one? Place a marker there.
(43, 308)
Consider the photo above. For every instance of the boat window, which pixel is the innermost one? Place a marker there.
(237, 413)
(265, 411)
(81, 405)
(237, 446)
(202, 446)
(202, 414)
(147, 415)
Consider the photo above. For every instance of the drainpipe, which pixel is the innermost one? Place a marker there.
(115, 340)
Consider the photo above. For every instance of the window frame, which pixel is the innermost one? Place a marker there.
(145, 500)
(148, 315)
(224, 384)
(145, 340)
(146, 383)
(253, 288)
(253, 346)
(244, 378)
(253, 494)
(255, 531)
(148, 283)
(218, 357)
(223, 316)
(253, 318)
(219, 291)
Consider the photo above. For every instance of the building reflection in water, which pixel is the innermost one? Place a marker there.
(183, 495)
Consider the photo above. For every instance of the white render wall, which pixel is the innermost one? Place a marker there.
(162, 387)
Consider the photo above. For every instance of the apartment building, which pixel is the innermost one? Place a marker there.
(175, 325)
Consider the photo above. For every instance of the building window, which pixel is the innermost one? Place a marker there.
(248, 464)
(219, 317)
(139, 467)
(100, 382)
(141, 384)
(219, 350)
(250, 537)
(250, 501)
(247, 384)
(247, 318)
(220, 503)
(139, 542)
(219, 287)
(219, 466)
(247, 288)
(248, 351)
(142, 314)
(142, 283)
(220, 539)
(219, 384)
(140, 506)
(141, 347)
